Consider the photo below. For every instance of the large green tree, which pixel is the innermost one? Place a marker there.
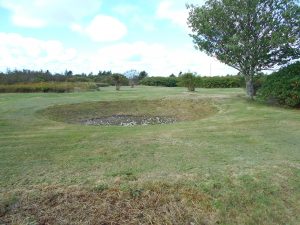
(248, 35)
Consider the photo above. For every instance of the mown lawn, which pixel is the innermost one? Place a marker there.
(239, 165)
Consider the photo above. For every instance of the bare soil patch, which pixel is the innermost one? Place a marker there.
(128, 120)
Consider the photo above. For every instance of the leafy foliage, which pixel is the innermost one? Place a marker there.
(188, 80)
(249, 36)
(282, 87)
(119, 79)
(200, 82)
(222, 82)
(59, 87)
(31, 76)
(102, 85)
(143, 74)
(160, 81)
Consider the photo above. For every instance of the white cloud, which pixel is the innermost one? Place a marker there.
(126, 56)
(21, 52)
(170, 11)
(23, 20)
(39, 13)
(157, 59)
(76, 27)
(106, 28)
(102, 29)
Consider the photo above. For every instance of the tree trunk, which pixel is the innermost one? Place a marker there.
(131, 84)
(118, 87)
(250, 87)
(191, 87)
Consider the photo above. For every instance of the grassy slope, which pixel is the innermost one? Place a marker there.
(244, 159)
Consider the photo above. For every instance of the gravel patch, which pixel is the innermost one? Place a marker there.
(128, 120)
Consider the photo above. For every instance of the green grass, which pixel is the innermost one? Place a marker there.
(240, 165)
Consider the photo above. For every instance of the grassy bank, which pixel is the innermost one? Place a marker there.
(240, 165)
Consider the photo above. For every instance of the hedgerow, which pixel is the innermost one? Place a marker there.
(200, 82)
(59, 87)
(160, 81)
(221, 82)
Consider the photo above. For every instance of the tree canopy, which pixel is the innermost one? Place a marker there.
(248, 35)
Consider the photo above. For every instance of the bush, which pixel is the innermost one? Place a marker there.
(258, 81)
(282, 87)
(222, 82)
(102, 85)
(204, 82)
(160, 81)
(188, 80)
(59, 87)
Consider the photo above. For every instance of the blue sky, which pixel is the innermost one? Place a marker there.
(92, 35)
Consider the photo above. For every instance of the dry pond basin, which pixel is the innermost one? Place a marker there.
(131, 112)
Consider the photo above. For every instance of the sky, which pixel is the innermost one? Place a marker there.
(92, 35)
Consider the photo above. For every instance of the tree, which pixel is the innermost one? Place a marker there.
(142, 75)
(248, 35)
(132, 76)
(117, 78)
(68, 73)
(188, 80)
(104, 73)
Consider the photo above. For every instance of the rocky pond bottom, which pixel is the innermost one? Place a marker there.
(128, 120)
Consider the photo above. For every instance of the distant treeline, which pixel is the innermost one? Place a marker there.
(58, 87)
(30, 76)
(105, 78)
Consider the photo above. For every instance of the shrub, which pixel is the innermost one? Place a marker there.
(258, 81)
(282, 87)
(188, 80)
(102, 85)
(59, 87)
(200, 82)
(160, 81)
(221, 82)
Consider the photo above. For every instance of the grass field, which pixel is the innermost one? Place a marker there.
(239, 164)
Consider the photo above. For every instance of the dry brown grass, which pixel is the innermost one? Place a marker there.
(158, 204)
